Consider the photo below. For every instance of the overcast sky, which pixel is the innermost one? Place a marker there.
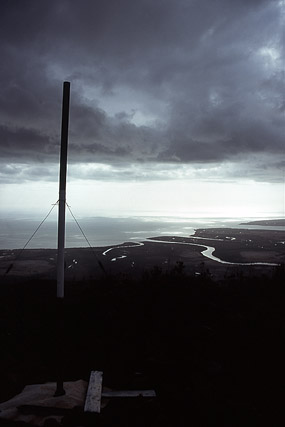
(174, 104)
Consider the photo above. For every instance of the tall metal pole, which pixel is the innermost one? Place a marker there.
(61, 236)
(62, 189)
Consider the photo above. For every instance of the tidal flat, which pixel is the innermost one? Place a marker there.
(248, 251)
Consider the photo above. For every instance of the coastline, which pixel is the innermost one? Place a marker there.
(107, 232)
(267, 222)
(219, 249)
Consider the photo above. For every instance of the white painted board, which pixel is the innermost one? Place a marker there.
(93, 397)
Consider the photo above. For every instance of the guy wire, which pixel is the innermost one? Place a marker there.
(24, 247)
(91, 247)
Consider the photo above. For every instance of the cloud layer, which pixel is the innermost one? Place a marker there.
(155, 85)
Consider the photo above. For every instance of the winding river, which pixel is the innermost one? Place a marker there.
(207, 252)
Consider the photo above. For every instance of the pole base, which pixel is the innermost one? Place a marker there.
(59, 390)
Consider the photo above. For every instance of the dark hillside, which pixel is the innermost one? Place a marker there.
(213, 351)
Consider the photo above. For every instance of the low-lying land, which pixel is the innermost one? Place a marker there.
(268, 222)
(243, 251)
(207, 337)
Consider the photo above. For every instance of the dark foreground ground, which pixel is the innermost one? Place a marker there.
(213, 351)
(207, 337)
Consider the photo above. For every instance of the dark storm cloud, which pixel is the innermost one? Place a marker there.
(206, 77)
(22, 143)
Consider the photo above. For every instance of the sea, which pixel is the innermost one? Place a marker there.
(17, 233)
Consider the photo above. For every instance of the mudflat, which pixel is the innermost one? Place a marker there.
(230, 250)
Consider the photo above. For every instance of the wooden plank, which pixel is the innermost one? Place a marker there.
(129, 393)
(93, 397)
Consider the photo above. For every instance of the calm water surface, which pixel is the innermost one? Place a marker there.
(104, 231)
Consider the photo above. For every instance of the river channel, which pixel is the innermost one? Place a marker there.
(207, 252)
